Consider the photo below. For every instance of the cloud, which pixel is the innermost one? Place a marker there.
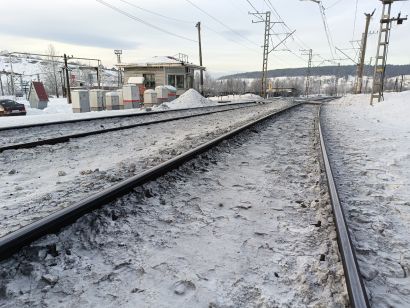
(73, 37)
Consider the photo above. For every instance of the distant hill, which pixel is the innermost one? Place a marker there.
(345, 70)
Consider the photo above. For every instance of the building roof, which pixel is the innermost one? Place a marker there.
(40, 90)
(161, 61)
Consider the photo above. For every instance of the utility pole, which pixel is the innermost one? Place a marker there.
(308, 52)
(360, 65)
(201, 72)
(337, 78)
(268, 27)
(12, 75)
(1, 85)
(67, 79)
(118, 52)
(382, 49)
(401, 83)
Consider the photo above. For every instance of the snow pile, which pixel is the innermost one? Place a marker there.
(190, 99)
(393, 112)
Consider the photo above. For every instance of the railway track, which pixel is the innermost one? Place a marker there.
(15, 138)
(15, 241)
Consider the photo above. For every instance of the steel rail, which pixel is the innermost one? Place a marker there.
(67, 138)
(140, 114)
(13, 242)
(355, 286)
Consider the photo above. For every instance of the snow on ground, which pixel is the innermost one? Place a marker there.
(233, 229)
(369, 148)
(44, 179)
(59, 110)
(236, 98)
(29, 134)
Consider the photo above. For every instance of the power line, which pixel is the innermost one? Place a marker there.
(221, 23)
(185, 22)
(355, 20)
(334, 4)
(157, 14)
(144, 22)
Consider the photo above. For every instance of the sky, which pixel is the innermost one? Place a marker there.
(230, 41)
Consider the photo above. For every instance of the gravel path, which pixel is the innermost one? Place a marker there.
(371, 161)
(247, 225)
(41, 180)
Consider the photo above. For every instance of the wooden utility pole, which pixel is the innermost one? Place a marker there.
(360, 65)
(382, 48)
(67, 79)
(201, 72)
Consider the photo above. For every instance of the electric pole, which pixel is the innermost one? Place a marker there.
(401, 83)
(2, 90)
(360, 65)
(67, 79)
(12, 75)
(201, 72)
(382, 49)
(309, 53)
(337, 78)
(118, 52)
(265, 18)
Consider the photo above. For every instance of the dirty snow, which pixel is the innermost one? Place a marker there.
(248, 225)
(369, 148)
(41, 180)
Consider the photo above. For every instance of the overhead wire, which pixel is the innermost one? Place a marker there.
(221, 23)
(186, 22)
(285, 27)
(156, 13)
(144, 22)
(355, 20)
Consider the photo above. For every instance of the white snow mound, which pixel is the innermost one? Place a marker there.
(190, 99)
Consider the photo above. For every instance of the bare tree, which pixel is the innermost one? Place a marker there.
(50, 69)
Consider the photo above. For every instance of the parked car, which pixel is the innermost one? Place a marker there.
(9, 107)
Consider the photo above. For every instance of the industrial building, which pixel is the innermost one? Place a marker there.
(162, 71)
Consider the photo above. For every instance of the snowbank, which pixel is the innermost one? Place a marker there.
(58, 110)
(190, 99)
(369, 149)
(393, 112)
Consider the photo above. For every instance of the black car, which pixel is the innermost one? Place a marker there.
(9, 107)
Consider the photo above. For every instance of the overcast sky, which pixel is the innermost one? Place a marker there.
(231, 43)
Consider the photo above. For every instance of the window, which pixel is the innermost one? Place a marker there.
(176, 81)
(149, 81)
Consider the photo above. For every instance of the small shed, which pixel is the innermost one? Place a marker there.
(37, 96)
